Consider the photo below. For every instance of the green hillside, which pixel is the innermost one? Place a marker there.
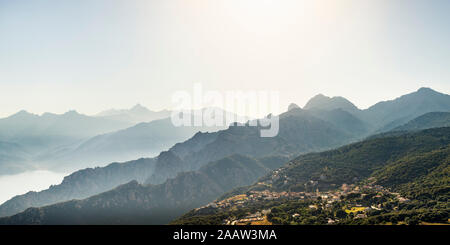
(421, 177)
(352, 163)
(396, 179)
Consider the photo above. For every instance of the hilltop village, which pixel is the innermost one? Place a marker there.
(355, 200)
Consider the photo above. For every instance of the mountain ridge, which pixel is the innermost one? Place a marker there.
(370, 174)
(301, 131)
(140, 204)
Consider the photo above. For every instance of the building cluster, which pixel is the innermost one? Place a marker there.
(327, 197)
(254, 196)
(258, 216)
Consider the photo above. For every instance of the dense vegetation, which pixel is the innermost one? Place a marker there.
(352, 163)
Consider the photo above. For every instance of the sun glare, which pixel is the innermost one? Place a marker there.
(275, 16)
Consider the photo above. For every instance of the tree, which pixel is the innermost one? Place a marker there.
(341, 214)
(412, 220)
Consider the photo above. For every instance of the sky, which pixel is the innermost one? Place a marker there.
(92, 55)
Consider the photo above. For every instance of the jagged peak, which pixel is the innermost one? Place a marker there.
(167, 156)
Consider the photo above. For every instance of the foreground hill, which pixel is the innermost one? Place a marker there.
(415, 164)
(133, 203)
(419, 177)
(352, 163)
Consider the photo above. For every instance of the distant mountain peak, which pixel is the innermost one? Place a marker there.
(72, 112)
(388, 115)
(322, 102)
(23, 113)
(136, 114)
(320, 96)
(426, 90)
(138, 107)
(293, 106)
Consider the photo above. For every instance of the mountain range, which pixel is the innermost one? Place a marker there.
(33, 134)
(133, 203)
(414, 166)
(136, 114)
(299, 132)
(141, 140)
(36, 132)
(322, 102)
(325, 123)
(72, 141)
(387, 115)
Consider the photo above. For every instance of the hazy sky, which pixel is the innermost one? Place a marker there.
(92, 55)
